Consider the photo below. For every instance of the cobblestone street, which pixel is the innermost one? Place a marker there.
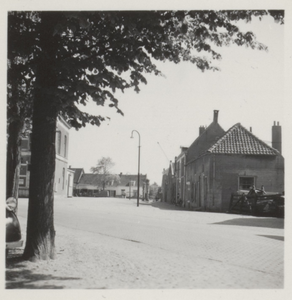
(110, 243)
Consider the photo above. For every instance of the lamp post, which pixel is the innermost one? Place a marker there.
(138, 164)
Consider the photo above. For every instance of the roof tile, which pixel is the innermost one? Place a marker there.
(238, 140)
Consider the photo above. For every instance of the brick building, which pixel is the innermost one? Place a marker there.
(219, 164)
(179, 173)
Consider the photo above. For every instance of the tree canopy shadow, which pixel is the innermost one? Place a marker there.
(19, 276)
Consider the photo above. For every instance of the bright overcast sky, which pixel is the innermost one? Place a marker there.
(169, 110)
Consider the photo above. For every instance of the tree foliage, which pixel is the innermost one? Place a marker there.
(104, 165)
(58, 61)
(97, 53)
(103, 169)
(19, 108)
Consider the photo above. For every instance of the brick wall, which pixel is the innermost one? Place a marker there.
(213, 178)
(267, 171)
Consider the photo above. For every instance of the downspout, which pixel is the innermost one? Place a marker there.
(213, 181)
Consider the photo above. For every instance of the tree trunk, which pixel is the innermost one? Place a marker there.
(40, 243)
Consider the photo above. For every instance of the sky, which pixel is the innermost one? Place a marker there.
(249, 89)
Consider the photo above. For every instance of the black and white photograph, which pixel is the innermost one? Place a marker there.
(146, 149)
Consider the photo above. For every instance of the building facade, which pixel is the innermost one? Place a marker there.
(63, 184)
(219, 163)
(235, 161)
(168, 184)
(179, 174)
(24, 173)
(61, 170)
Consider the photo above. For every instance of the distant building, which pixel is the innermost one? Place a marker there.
(78, 173)
(180, 174)
(168, 184)
(63, 177)
(97, 185)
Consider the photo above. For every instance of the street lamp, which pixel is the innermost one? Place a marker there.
(138, 165)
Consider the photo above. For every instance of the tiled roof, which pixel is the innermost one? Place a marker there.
(93, 179)
(238, 140)
(122, 180)
(125, 179)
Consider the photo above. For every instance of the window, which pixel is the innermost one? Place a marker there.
(183, 167)
(193, 191)
(178, 169)
(25, 159)
(63, 177)
(23, 169)
(22, 181)
(246, 182)
(65, 145)
(205, 188)
(24, 144)
(58, 142)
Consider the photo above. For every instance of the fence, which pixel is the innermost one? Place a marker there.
(270, 204)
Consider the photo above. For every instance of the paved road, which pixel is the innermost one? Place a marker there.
(160, 246)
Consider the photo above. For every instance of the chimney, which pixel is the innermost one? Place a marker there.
(216, 112)
(250, 129)
(277, 137)
(201, 129)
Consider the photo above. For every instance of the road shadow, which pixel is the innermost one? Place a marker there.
(19, 276)
(274, 237)
(166, 206)
(255, 222)
(145, 202)
(134, 202)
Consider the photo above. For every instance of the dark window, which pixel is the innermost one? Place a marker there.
(205, 188)
(65, 145)
(23, 169)
(193, 191)
(25, 159)
(199, 191)
(246, 182)
(58, 142)
(183, 167)
(63, 178)
(25, 144)
(22, 181)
